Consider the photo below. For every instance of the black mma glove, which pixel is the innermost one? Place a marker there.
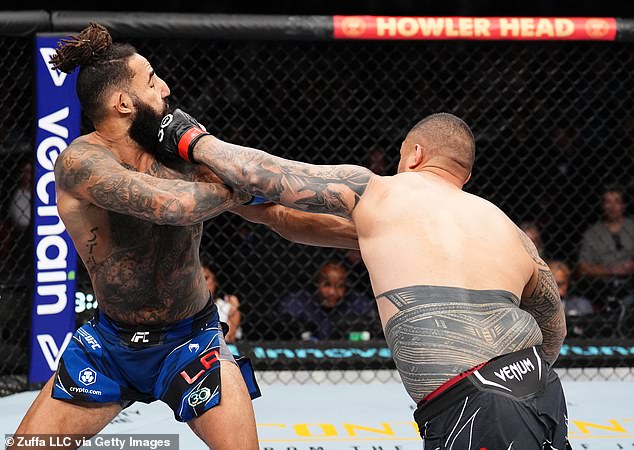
(178, 134)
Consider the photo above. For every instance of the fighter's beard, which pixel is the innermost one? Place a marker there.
(145, 125)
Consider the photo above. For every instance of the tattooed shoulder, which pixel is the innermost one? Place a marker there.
(76, 163)
(530, 248)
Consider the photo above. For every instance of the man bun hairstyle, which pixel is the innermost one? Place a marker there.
(89, 46)
(103, 65)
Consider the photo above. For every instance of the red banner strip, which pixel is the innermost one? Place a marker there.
(475, 28)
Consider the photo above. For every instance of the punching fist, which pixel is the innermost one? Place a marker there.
(178, 134)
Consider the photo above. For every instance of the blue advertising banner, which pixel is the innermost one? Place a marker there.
(58, 121)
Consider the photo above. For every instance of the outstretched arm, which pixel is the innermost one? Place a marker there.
(89, 172)
(307, 187)
(323, 189)
(541, 300)
(321, 230)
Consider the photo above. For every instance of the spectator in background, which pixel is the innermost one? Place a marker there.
(578, 309)
(329, 310)
(377, 161)
(606, 257)
(228, 306)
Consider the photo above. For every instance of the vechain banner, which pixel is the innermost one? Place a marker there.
(58, 121)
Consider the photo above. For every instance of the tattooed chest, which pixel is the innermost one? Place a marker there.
(149, 271)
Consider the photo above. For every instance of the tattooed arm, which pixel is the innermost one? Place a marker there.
(89, 172)
(322, 230)
(541, 300)
(323, 189)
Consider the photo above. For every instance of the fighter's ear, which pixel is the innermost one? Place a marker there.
(122, 102)
(419, 154)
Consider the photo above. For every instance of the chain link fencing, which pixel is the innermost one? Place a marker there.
(16, 185)
(553, 125)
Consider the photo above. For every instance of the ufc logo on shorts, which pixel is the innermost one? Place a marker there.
(206, 360)
(140, 336)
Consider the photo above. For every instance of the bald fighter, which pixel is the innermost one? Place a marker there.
(470, 311)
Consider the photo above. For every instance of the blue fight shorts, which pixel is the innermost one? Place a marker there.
(178, 364)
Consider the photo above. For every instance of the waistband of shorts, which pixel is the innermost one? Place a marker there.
(465, 383)
(151, 335)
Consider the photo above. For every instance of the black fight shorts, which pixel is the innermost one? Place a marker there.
(512, 402)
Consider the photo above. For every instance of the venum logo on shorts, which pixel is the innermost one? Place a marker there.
(516, 370)
(193, 347)
(87, 376)
(199, 396)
